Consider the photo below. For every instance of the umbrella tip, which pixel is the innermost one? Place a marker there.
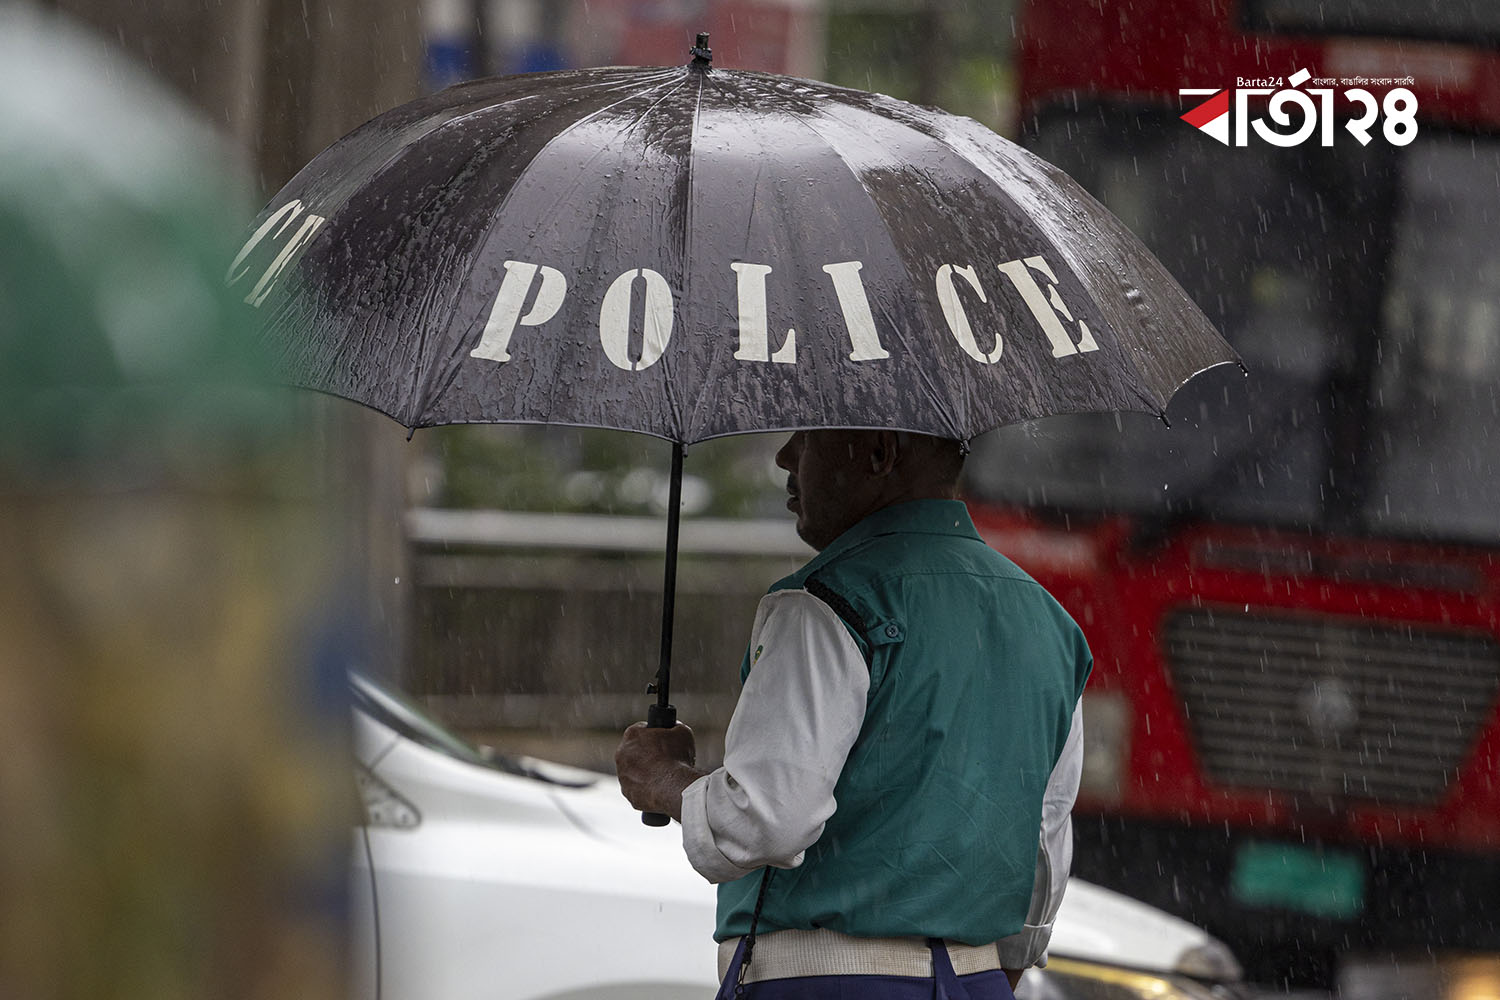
(703, 56)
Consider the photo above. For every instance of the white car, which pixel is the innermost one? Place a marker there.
(483, 876)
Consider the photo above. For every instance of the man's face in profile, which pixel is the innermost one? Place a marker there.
(829, 481)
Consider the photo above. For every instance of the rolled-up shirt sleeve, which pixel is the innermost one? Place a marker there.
(797, 717)
(1054, 855)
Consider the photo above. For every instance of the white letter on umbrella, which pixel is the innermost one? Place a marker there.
(755, 338)
(958, 320)
(856, 307)
(614, 320)
(1046, 310)
(494, 345)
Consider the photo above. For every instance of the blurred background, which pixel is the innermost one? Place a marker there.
(1293, 594)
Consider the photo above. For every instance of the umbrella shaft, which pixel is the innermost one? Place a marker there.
(669, 580)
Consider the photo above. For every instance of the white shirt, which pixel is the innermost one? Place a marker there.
(797, 717)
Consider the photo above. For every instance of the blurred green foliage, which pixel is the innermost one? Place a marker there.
(954, 54)
(586, 470)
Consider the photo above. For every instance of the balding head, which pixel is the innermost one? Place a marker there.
(839, 477)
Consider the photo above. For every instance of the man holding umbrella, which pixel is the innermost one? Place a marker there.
(905, 751)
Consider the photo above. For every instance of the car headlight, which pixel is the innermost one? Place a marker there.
(1066, 979)
(384, 806)
(1211, 960)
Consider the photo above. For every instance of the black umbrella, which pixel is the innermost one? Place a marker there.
(694, 252)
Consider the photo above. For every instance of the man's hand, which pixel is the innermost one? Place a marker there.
(655, 765)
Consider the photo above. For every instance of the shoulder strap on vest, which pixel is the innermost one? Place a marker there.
(836, 601)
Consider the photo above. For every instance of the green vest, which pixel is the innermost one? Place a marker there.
(974, 674)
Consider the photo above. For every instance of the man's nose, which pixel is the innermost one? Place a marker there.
(786, 457)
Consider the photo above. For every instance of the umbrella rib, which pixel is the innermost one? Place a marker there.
(684, 427)
(642, 116)
(687, 270)
(688, 428)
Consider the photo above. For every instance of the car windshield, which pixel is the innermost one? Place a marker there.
(1353, 283)
(399, 713)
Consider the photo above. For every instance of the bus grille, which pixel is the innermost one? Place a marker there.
(1331, 709)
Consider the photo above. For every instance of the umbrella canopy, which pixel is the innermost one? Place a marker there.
(693, 252)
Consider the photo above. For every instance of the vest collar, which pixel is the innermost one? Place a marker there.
(926, 517)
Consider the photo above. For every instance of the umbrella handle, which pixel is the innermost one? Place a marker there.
(659, 717)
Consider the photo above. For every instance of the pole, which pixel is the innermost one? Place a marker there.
(663, 715)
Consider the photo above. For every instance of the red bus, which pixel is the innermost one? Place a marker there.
(1293, 591)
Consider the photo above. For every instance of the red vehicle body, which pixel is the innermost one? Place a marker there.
(1293, 592)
